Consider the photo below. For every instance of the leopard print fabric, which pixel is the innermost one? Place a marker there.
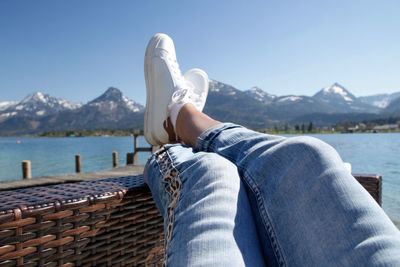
(173, 188)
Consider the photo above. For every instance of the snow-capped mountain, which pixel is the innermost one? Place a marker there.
(260, 95)
(40, 112)
(342, 100)
(113, 98)
(111, 110)
(380, 100)
(6, 104)
(290, 106)
(335, 92)
(38, 104)
(393, 108)
(227, 103)
(222, 88)
(253, 108)
(293, 99)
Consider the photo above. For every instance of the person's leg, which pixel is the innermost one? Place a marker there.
(308, 208)
(207, 217)
(191, 123)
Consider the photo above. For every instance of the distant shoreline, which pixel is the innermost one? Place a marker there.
(116, 133)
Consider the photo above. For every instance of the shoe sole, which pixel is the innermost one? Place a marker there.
(149, 114)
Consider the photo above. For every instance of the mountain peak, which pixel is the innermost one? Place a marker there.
(256, 89)
(335, 91)
(36, 97)
(335, 88)
(112, 98)
(259, 94)
(112, 89)
(37, 104)
(111, 94)
(337, 85)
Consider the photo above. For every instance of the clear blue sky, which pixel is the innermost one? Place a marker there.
(76, 49)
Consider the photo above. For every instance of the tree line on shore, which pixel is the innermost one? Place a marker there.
(391, 124)
(303, 128)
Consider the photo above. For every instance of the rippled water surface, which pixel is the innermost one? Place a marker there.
(368, 153)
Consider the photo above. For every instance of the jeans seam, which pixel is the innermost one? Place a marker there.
(265, 218)
(206, 143)
(173, 187)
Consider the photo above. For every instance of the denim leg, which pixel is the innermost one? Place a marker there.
(309, 211)
(207, 215)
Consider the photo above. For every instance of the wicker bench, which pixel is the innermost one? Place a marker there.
(106, 222)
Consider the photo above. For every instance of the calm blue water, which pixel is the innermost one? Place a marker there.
(50, 156)
(368, 153)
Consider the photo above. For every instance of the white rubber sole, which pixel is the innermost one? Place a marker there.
(150, 94)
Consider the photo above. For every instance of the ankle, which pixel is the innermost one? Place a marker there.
(180, 98)
(191, 123)
(182, 118)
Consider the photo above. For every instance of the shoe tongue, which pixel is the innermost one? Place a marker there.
(189, 85)
(184, 84)
(184, 93)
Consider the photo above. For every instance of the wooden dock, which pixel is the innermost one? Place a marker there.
(128, 170)
(132, 168)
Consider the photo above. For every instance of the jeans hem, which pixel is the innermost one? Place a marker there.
(205, 139)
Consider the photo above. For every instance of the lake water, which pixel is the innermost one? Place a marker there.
(50, 156)
(368, 153)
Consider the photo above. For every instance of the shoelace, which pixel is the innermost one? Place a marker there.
(175, 69)
(184, 89)
(173, 63)
(186, 95)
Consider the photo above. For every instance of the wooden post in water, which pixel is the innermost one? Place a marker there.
(135, 146)
(26, 169)
(115, 159)
(78, 163)
(129, 158)
(137, 149)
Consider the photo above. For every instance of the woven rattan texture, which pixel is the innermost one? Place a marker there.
(107, 222)
(373, 184)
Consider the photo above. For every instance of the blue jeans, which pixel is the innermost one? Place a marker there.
(245, 198)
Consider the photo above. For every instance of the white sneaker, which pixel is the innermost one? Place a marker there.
(163, 78)
(199, 79)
